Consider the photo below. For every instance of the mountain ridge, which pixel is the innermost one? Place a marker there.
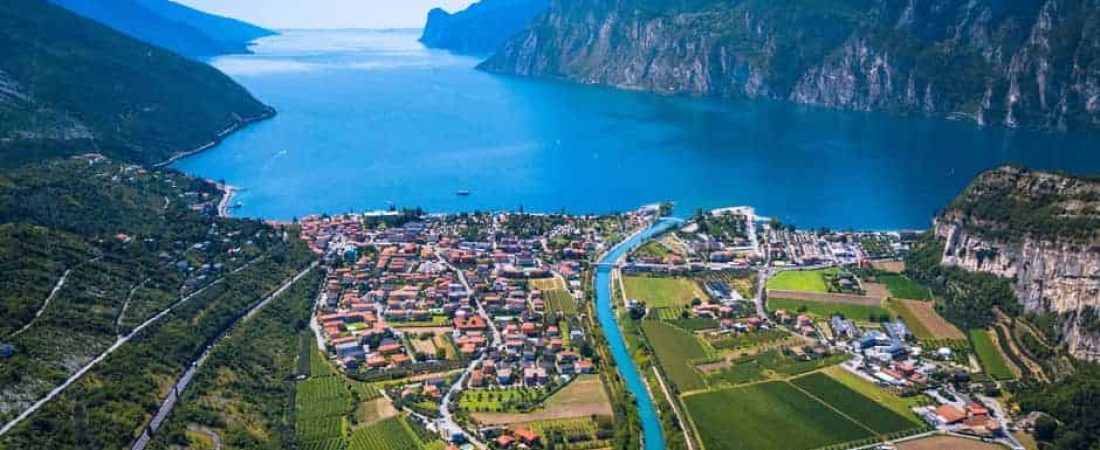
(1016, 63)
(480, 28)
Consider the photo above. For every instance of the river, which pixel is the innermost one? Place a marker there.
(370, 119)
(651, 423)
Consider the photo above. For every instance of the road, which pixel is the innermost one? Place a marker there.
(446, 423)
(122, 340)
(49, 298)
(184, 380)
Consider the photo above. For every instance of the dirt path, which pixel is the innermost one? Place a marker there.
(826, 297)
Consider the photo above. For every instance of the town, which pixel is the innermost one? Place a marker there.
(477, 328)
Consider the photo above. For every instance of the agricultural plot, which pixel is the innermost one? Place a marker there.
(741, 373)
(860, 313)
(853, 404)
(801, 280)
(675, 349)
(560, 300)
(583, 397)
(391, 434)
(992, 360)
(546, 284)
(767, 416)
(745, 340)
(660, 292)
(501, 400)
(582, 431)
(320, 403)
(924, 321)
(902, 406)
(900, 286)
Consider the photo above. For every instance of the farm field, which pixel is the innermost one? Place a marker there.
(372, 411)
(900, 286)
(501, 400)
(800, 280)
(768, 416)
(584, 431)
(900, 405)
(546, 284)
(924, 321)
(560, 300)
(854, 404)
(859, 313)
(659, 292)
(674, 349)
(583, 397)
(948, 443)
(388, 434)
(992, 360)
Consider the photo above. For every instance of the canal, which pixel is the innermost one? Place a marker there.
(651, 426)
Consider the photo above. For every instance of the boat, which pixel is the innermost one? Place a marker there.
(462, 193)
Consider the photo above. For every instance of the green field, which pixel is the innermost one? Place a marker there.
(745, 340)
(658, 292)
(900, 405)
(388, 434)
(853, 404)
(560, 300)
(675, 348)
(801, 280)
(741, 373)
(900, 286)
(992, 360)
(767, 416)
(501, 400)
(788, 366)
(861, 313)
(320, 404)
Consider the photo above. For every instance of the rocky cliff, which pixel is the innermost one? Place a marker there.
(1033, 63)
(482, 27)
(1042, 231)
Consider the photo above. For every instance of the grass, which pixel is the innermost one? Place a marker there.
(745, 372)
(767, 416)
(801, 280)
(900, 286)
(748, 340)
(675, 349)
(862, 313)
(652, 249)
(917, 327)
(992, 360)
(661, 292)
(854, 404)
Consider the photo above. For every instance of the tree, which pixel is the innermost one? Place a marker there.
(1046, 428)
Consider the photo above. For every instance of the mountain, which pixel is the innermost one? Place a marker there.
(1017, 63)
(70, 85)
(1041, 231)
(170, 25)
(482, 27)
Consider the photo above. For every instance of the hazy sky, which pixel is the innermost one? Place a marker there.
(328, 13)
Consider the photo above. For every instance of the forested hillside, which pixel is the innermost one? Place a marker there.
(69, 85)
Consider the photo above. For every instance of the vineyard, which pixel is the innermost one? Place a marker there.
(393, 434)
(561, 300)
(321, 403)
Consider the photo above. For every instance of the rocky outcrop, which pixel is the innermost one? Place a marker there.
(482, 27)
(1033, 63)
(1053, 270)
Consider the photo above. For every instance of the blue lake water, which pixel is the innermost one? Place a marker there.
(369, 119)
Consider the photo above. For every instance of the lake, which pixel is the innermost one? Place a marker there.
(372, 119)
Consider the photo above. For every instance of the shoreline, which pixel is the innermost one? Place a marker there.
(219, 137)
(228, 191)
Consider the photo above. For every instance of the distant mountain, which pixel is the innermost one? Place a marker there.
(70, 85)
(482, 27)
(1027, 63)
(170, 25)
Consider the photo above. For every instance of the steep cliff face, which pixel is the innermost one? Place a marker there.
(1042, 231)
(482, 27)
(1032, 63)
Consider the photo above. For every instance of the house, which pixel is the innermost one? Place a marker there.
(949, 414)
(526, 435)
(897, 330)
